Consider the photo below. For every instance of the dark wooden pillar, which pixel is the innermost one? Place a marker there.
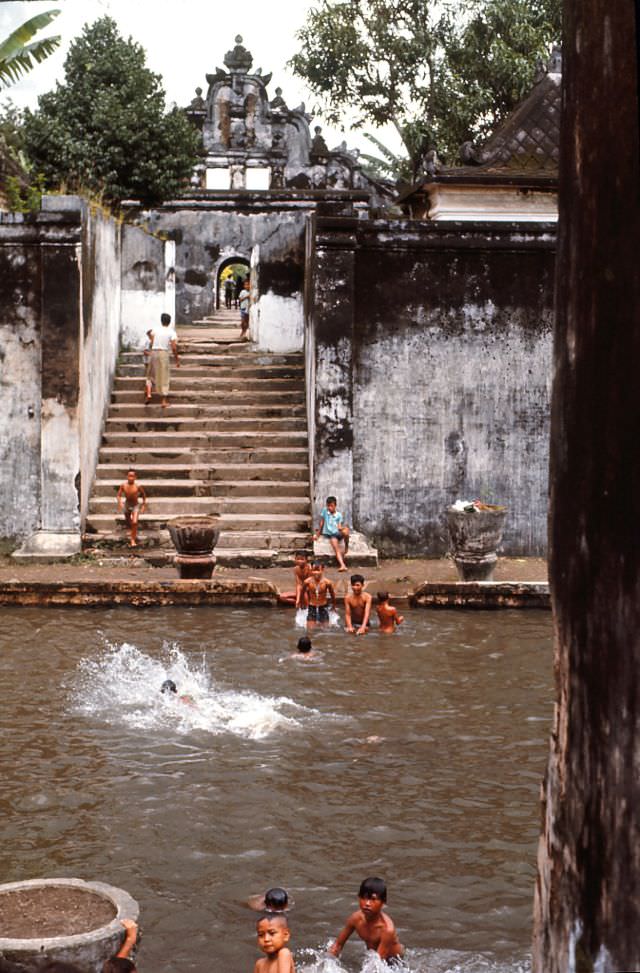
(587, 912)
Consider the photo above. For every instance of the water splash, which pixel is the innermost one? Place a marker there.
(414, 961)
(122, 685)
(301, 618)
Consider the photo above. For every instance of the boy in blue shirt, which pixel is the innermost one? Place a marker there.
(332, 527)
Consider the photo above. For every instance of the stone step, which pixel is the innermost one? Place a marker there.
(213, 439)
(246, 396)
(154, 537)
(215, 371)
(137, 456)
(226, 557)
(221, 472)
(235, 522)
(214, 412)
(178, 506)
(298, 489)
(206, 382)
(144, 423)
(210, 357)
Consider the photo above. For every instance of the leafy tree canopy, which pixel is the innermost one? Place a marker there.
(18, 56)
(441, 71)
(105, 129)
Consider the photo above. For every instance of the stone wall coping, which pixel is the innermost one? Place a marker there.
(137, 593)
(481, 595)
(332, 231)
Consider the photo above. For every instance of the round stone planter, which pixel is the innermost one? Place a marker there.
(63, 919)
(194, 538)
(475, 538)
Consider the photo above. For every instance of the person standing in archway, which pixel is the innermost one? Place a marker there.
(244, 299)
(229, 291)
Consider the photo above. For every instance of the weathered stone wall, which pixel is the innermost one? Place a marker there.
(433, 366)
(148, 284)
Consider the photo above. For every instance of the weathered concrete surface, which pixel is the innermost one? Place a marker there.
(587, 905)
(481, 594)
(431, 351)
(148, 284)
(137, 593)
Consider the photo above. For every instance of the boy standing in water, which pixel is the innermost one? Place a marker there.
(130, 493)
(273, 936)
(301, 571)
(388, 616)
(357, 607)
(316, 592)
(332, 527)
(373, 925)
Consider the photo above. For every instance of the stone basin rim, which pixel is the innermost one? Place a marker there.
(125, 905)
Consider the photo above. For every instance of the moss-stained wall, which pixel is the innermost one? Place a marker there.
(433, 380)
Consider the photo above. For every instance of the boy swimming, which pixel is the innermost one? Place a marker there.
(273, 900)
(357, 607)
(305, 651)
(374, 926)
(388, 617)
(316, 592)
(273, 936)
(332, 527)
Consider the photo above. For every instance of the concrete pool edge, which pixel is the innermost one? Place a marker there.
(458, 594)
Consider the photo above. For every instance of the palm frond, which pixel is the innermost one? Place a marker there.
(17, 56)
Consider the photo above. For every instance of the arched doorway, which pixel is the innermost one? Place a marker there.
(233, 268)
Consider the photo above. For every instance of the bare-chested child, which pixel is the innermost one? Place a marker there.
(357, 607)
(301, 571)
(273, 936)
(129, 494)
(388, 616)
(373, 925)
(317, 591)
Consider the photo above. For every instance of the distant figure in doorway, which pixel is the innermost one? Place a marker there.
(229, 291)
(244, 300)
(333, 527)
(273, 936)
(130, 493)
(357, 607)
(388, 617)
(238, 284)
(162, 340)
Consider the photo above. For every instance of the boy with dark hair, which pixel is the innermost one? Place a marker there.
(273, 936)
(301, 571)
(129, 494)
(305, 650)
(374, 926)
(357, 607)
(332, 527)
(388, 617)
(316, 593)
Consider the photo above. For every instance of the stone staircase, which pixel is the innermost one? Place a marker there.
(233, 441)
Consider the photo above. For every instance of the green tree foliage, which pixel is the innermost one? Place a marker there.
(441, 71)
(105, 129)
(18, 56)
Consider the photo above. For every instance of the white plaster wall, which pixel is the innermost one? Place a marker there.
(142, 305)
(141, 310)
(60, 461)
(99, 349)
(20, 387)
(278, 323)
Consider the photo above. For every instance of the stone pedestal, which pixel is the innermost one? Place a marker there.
(475, 538)
(194, 538)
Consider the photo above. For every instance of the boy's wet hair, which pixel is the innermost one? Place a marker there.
(317, 564)
(277, 898)
(278, 917)
(301, 554)
(168, 686)
(118, 964)
(371, 887)
(331, 500)
(304, 645)
(382, 596)
(357, 579)
(165, 319)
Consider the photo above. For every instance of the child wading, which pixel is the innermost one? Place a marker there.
(316, 592)
(357, 607)
(373, 925)
(273, 936)
(332, 527)
(388, 616)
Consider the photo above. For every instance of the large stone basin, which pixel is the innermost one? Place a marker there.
(64, 919)
(194, 538)
(475, 539)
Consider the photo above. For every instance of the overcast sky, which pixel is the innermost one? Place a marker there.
(184, 41)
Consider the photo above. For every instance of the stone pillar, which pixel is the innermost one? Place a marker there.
(334, 315)
(587, 907)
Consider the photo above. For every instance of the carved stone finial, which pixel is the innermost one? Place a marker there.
(278, 101)
(239, 60)
(319, 147)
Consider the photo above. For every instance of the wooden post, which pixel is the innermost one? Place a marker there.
(587, 908)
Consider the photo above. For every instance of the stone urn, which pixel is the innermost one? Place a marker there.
(64, 919)
(475, 536)
(194, 538)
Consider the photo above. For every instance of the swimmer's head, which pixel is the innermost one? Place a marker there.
(304, 645)
(168, 686)
(382, 596)
(276, 899)
(373, 888)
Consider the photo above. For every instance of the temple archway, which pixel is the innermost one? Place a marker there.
(235, 267)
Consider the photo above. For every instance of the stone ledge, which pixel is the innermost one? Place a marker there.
(137, 593)
(481, 595)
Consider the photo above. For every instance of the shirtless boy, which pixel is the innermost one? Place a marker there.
(301, 571)
(357, 607)
(373, 925)
(273, 936)
(316, 592)
(388, 616)
(130, 493)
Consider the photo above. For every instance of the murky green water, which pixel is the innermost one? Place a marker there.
(417, 757)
